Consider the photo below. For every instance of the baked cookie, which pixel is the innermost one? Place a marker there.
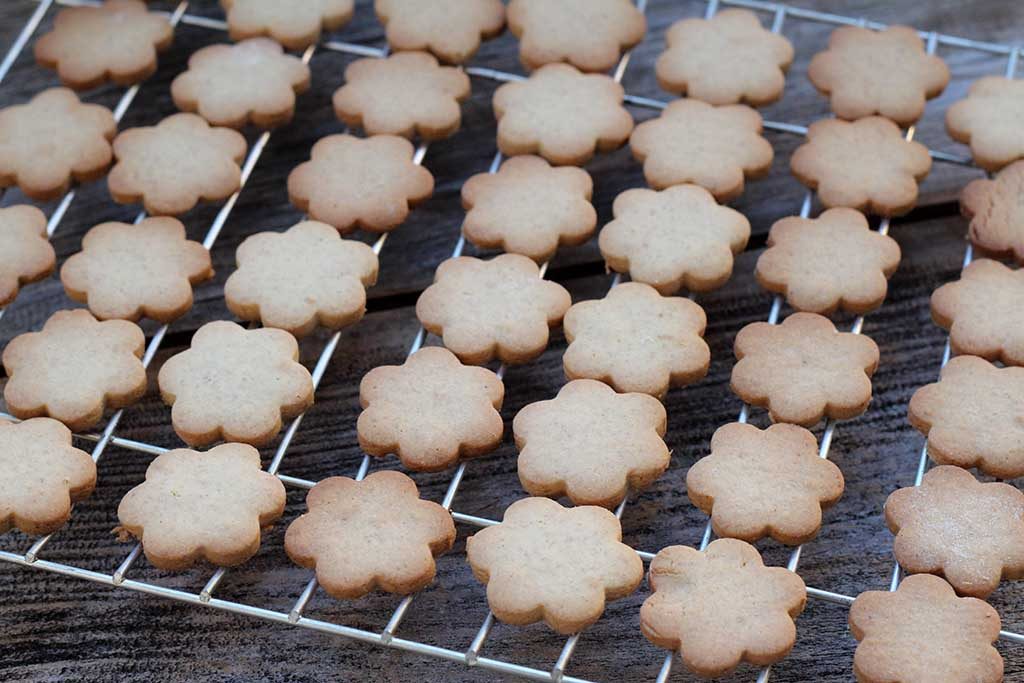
(721, 606)
(591, 444)
(430, 411)
(542, 115)
(450, 29)
(25, 252)
(296, 25)
(545, 561)
(834, 261)
(529, 208)
(987, 121)
(74, 368)
(235, 384)
(995, 212)
(367, 183)
(253, 81)
(208, 506)
(371, 534)
(679, 237)
(300, 278)
(866, 165)
(695, 142)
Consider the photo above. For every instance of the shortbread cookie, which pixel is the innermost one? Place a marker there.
(499, 308)
(679, 237)
(367, 183)
(834, 261)
(866, 165)
(43, 475)
(955, 526)
(235, 384)
(995, 212)
(529, 208)
(52, 140)
(208, 506)
(878, 72)
(727, 59)
(300, 278)
(371, 534)
(558, 564)
(804, 369)
(974, 417)
(591, 444)
(450, 29)
(431, 411)
(74, 369)
(695, 142)
(253, 81)
(542, 115)
(116, 41)
(987, 121)
(757, 483)
(296, 25)
(634, 339)
(25, 252)
(722, 606)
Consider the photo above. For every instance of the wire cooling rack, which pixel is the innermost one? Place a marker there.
(778, 15)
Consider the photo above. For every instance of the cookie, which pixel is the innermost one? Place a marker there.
(674, 239)
(430, 411)
(25, 252)
(591, 444)
(301, 278)
(529, 208)
(52, 140)
(547, 562)
(367, 183)
(695, 142)
(987, 121)
(208, 506)
(294, 25)
(450, 29)
(74, 368)
(993, 207)
(835, 261)
(542, 115)
(253, 81)
(235, 384)
(721, 606)
(727, 59)
(371, 534)
(884, 72)
(959, 528)
(132, 271)
(757, 483)
(636, 340)
(116, 41)
(866, 165)
(499, 308)
(804, 369)
(43, 475)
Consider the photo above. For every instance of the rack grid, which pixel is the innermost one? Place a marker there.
(471, 655)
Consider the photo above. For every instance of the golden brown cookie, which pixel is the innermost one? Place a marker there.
(296, 25)
(987, 121)
(450, 29)
(25, 252)
(996, 213)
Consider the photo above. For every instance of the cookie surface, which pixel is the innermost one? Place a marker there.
(450, 29)
(295, 25)
(996, 215)
(986, 120)
(25, 252)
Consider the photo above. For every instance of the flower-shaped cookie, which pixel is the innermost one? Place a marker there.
(295, 25)
(253, 81)
(830, 262)
(987, 121)
(804, 369)
(695, 142)
(74, 368)
(235, 384)
(300, 278)
(634, 339)
(543, 115)
(208, 506)
(558, 564)
(499, 308)
(865, 165)
(721, 606)
(758, 483)
(679, 237)
(369, 534)
(43, 475)
(996, 213)
(116, 41)
(451, 29)
(878, 72)
(367, 183)
(955, 526)
(25, 253)
(51, 140)
(591, 444)
(431, 411)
